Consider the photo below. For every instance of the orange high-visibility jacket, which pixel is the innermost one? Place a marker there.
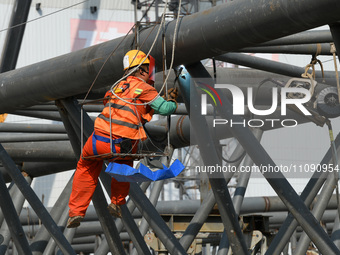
(127, 119)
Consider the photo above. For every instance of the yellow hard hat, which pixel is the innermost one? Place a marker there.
(133, 58)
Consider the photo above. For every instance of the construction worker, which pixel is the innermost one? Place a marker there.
(127, 119)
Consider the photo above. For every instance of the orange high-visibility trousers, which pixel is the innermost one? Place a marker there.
(86, 176)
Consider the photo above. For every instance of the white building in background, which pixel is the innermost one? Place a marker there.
(58, 27)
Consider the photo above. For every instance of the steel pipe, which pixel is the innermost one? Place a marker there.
(303, 49)
(73, 73)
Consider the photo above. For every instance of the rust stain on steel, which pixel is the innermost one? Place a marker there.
(179, 129)
(267, 204)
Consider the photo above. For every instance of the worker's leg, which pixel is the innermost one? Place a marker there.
(119, 190)
(86, 178)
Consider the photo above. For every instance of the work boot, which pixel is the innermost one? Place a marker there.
(115, 210)
(74, 221)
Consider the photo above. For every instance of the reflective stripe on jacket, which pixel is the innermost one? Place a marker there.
(126, 119)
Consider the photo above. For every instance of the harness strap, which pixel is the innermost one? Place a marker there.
(104, 139)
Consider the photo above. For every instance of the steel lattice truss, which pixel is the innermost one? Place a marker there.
(221, 32)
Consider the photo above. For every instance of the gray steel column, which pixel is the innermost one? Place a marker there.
(12, 222)
(34, 201)
(155, 221)
(308, 195)
(336, 231)
(10, 138)
(106, 221)
(207, 205)
(306, 49)
(210, 158)
(41, 238)
(318, 210)
(51, 245)
(198, 220)
(154, 195)
(239, 194)
(208, 31)
(17, 24)
(293, 242)
(281, 186)
(244, 177)
(308, 37)
(134, 232)
(268, 65)
(74, 136)
(103, 249)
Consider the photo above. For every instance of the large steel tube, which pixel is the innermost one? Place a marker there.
(209, 31)
(319, 36)
(306, 49)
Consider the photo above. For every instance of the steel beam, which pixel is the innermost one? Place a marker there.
(155, 221)
(41, 238)
(19, 138)
(32, 128)
(12, 222)
(239, 194)
(206, 143)
(34, 201)
(318, 209)
(281, 186)
(272, 66)
(17, 25)
(103, 248)
(308, 195)
(207, 205)
(304, 49)
(74, 73)
(319, 36)
(154, 196)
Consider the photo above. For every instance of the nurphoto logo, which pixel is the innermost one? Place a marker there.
(239, 105)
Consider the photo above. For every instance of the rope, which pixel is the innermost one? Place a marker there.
(171, 64)
(333, 51)
(312, 64)
(63, 9)
(101, 68)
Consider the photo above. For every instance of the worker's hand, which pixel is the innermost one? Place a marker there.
(172, 94)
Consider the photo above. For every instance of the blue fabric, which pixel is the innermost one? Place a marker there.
(96, 138)
(125, 173)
